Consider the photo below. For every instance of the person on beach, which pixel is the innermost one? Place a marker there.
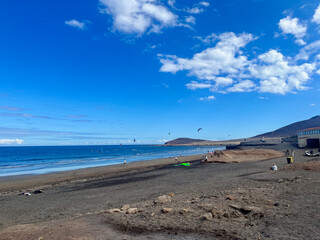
(287, 153)
(176, 159)
(124, 161)
(274, 167)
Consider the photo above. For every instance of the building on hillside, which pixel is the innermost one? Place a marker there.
(309, 137)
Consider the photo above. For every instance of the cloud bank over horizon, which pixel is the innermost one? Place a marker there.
(11, 141)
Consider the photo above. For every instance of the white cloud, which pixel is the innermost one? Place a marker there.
(271, 57)
(225, 68)
(196, 85)
(278, 75)
(223, 81)
(76, 24)
(206, 4)
(243, 86)
(313, 104)
(171, 2)
(198, 8)
(208, 39)
(292, 26)
(300, 42)
(224, 58)
(11, 141)
(316, 16)
(195, 10)
(191, 19)
(308, 50)
(139, 16)
(209, 98)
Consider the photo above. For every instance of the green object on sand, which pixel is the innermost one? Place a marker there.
(185, 164)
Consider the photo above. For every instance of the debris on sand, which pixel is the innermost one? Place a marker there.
(166, 210)
(125, 207)
(132, 210)
(207, 217)
(163, 199)
(230, 210)
(25, 194)
(114, 210)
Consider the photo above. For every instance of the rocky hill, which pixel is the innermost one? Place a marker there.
(284, 132)
(200, 142)
(184, 141)
(291, 130)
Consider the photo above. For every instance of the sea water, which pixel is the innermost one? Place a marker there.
(40, 160)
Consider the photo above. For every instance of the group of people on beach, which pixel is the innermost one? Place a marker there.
(290, 153)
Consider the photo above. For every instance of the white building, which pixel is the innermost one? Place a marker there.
(309, 137)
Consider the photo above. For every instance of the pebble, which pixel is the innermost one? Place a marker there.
(113, 210)
(163, 199)
(207, 217)
(230, 197)
(132, 210)
(125, 207)
(166, 210)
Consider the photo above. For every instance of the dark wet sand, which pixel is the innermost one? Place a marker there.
(73, 204)
(32, 182)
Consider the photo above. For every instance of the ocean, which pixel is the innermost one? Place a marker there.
(40, 160)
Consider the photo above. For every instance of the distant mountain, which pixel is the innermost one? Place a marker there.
(180, 141)
(200, 142)
(291, 130)
(284, 132)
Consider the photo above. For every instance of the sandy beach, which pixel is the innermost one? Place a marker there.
(30, 182)
(159, 200)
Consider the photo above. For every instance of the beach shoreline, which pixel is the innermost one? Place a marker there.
(19, 183)
(243, 200)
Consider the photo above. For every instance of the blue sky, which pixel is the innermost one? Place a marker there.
(110, 71)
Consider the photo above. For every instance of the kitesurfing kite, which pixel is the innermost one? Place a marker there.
(185, 164)
(199, 129)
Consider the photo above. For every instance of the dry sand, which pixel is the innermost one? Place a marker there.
(203, 201)
(246, 155)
